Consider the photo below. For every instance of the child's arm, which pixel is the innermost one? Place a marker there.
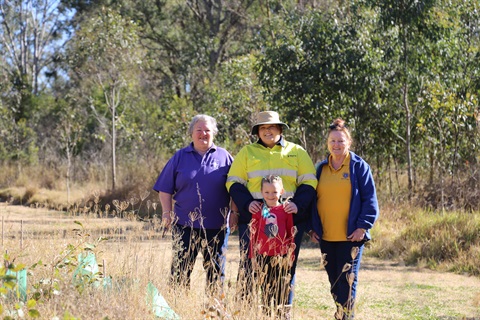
(291, 231)
(253, 227)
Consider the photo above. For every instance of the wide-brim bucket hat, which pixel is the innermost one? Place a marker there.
(267, 117)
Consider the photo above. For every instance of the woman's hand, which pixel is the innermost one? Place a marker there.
(357, 235)
(254, 206)
(290, 207)
(233, 220)
(167, 218)
(314, 236)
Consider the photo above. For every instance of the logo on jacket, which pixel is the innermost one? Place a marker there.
(345, 176)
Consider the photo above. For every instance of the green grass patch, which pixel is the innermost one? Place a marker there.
(420, 286)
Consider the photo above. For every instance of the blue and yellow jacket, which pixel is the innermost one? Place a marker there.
(364, 209)
(288, 160)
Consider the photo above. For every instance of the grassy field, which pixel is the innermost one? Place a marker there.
(136, 254)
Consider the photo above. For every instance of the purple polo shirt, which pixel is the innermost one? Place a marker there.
(198, 185)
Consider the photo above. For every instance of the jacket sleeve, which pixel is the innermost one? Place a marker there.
(303, 198)
(306, 169)
(236, 185)
(238, 170)
(316, 223)
(369, 211)
(305, 193)
(242, 198)
(254, 235)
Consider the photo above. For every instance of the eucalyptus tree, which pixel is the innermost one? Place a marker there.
(236, 98)
(31, 35)
(17, 140)
(450, 104)
(106, 61)
(187, 41)
(459, 49)
(322, 66)
(411, 29)
(70, 134)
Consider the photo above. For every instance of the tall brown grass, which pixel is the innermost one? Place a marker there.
(137, 253)
(442, 241)
(130, 252)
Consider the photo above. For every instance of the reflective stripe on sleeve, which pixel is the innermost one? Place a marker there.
(234, 179)
(305, 177)
(258, 195)
(277, 172)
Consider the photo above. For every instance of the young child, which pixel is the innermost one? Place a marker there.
(272, 245)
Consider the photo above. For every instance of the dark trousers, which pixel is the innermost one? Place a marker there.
(245, 268)
(338, 254)
(187, 243)
(273, 277)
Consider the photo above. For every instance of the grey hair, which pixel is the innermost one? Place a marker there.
(205, 118)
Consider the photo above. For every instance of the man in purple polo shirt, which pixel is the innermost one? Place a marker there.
(193, 180)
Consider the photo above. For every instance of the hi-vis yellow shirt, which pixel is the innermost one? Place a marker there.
(334, 192)
(255, 161)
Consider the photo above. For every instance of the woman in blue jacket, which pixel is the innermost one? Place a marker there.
(346, 210)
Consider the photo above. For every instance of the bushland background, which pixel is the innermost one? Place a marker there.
(95, 96)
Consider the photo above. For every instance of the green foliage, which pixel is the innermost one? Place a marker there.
(323, 66)
(13, 302)
(69, 266)
(447, 120)
(175, 118)
(187, 42)
(106, 52)
(236, 98)
(31, 35)
(70, 128)
(17, 140)
(106, 56)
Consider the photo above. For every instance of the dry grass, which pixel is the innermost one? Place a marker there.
(45, 197)
(442, 241)
(137, 254)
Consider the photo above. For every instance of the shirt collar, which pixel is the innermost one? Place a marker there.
(190, 148)
(280, 142)
(346, 161)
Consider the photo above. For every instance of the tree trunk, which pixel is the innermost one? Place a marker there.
(114, 139)
(389, 170)
(408, 115)
(69, 164)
